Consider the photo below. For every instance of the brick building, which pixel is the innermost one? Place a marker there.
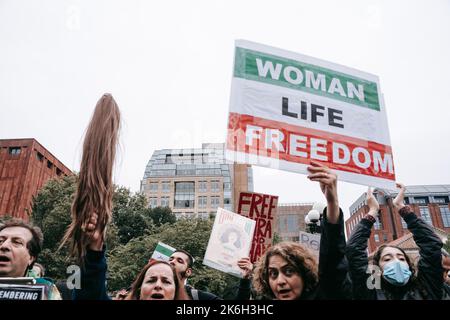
(25, 166)
(290, 219)
(430, 202)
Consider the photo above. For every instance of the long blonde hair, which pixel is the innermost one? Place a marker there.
(95, 186)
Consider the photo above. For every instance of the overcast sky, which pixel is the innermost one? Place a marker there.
(169, 67)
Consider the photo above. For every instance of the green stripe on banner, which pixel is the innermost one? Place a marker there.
(284, 72)
(165, 251)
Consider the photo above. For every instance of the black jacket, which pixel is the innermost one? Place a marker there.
(427, 285)
(334, 282)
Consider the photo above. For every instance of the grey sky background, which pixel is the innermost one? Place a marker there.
(169, 67)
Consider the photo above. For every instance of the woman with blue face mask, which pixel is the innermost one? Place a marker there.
(392, 275)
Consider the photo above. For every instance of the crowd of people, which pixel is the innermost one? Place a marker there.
(286, 271)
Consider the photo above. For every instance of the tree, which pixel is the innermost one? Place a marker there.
(162, 215)
(130, 214)
(447, 245)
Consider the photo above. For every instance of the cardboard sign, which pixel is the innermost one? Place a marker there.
(262, 208)
(21, 292)
(311, 241)
(230, 240)
(287, 109)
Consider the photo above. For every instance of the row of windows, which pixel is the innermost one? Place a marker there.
(15, 151)
(181, 202)
(192, 215)
(202, 186)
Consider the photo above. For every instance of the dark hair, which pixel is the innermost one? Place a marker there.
(191, 259)
(377, 257)
(225, 237)
(34, 246)
(296, 255)
(135, 292)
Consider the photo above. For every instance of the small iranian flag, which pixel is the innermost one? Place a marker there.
(162, 252)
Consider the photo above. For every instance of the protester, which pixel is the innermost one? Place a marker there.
(183, 262)
(396, 279)
(20, 245)
(289, 271)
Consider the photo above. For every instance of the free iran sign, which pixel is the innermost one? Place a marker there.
(287, 109)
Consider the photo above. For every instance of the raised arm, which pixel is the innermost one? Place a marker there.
(356, 250)
(430, 263)
(93, 273)
(333, 267)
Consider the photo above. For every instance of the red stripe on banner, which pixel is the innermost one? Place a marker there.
(248, 134)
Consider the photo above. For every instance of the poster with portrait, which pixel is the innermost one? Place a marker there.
(230, 240)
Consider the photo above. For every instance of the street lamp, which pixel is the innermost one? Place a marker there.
(314, 217)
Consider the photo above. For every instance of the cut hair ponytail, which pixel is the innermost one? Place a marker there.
(95, 186)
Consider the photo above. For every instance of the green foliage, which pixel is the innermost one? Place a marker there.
(447, 245)
(130, 214)
(162, 215)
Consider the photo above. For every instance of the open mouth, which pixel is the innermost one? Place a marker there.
(4, 259)
(157, 296)
(284, 292)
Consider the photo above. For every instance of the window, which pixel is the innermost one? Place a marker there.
(49, 164)
(165, 201)
(153, 202)
(445, 214)
(39, 156)
(15, 151)
(292, 223)
(202, 186)
(404, 225)
(215, 202)
(153, 186)
(184, 194)
(203, 215)
(385, 237)
(441, 200)
(214, 186)
(421, 200)
(202, 202)
(58, 171)
(226, 201)
(165, 186)
(378, 225)
(425, 214)
(226, 186)
(376, 237)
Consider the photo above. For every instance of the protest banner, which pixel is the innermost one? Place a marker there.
(262, 208)
(21, 288)
(230, 240)
(311, 241)
(287, 109)
(162, 252)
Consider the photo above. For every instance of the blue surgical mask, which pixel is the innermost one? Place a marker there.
(396, 272)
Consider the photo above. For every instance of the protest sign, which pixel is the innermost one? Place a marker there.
(21, 288)
(311, 241)
(287, 109)
(262, 208)
(230, 240)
